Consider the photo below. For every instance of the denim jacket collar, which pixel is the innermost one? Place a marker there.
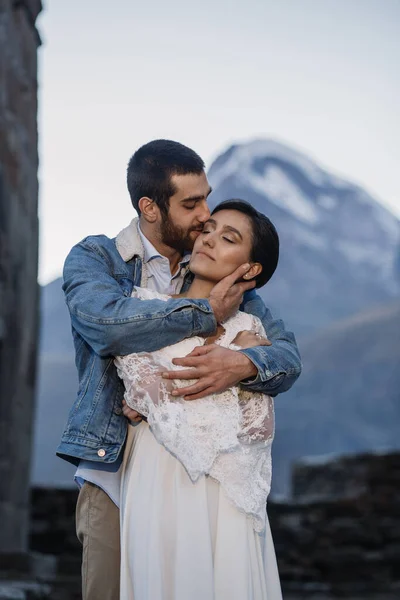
(128, 242)
(129, 245)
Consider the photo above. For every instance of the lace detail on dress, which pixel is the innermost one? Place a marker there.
(227, 436)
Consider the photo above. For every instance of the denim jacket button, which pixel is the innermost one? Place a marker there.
(117, 410)
(101, 452)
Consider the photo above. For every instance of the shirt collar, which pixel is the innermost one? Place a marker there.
(150, 251)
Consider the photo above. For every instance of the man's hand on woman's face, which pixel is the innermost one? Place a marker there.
(227, 295)
(215, 368)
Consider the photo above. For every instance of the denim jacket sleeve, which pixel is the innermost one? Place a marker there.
(278, 365)
(115, 324)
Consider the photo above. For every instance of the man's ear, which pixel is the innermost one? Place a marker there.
(148, 209)
(254, 270)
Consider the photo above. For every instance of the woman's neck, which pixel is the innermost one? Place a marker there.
(199, 288)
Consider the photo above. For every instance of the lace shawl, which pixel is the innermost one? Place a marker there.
(227, 436)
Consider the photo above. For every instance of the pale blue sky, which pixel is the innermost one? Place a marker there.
(321, 75)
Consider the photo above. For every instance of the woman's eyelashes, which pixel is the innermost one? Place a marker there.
(205, 231)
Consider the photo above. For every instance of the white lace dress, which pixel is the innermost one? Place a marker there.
(195, 481)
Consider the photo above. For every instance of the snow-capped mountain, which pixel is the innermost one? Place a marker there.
(340, 255)
(338, 245)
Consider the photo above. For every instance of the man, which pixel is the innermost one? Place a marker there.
(169, 190)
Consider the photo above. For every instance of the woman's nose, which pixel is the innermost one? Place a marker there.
(208, 240)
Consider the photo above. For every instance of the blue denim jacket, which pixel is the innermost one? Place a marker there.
(99, 275)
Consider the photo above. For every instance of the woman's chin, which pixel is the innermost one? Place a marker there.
(201, 272)
(197, 271)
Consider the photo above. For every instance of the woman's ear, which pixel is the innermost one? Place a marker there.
(254, 270)
(148, 209)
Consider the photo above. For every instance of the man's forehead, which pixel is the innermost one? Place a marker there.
(191, 184)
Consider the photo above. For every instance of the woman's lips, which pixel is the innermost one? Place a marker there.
(205, 254)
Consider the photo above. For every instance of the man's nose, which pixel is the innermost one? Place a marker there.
(204, 212)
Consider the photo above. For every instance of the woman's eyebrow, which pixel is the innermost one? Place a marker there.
(228, 227)
(234, 231)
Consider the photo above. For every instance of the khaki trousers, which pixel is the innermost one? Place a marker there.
(97, 528)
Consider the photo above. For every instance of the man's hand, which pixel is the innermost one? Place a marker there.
(227, 295)
(215, 368)
(249, 339)
(131, 414)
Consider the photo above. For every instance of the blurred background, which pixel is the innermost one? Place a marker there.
(294, 107)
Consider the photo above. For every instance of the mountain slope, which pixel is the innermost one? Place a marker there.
(348, 396)
(55, 327)
(57, 387)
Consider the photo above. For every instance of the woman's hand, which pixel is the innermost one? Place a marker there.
(131, 414)
(249, 339)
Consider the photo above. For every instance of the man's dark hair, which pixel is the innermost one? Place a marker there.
(151, 167)
(265, 242)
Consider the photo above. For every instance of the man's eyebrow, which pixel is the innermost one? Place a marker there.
(196, 198)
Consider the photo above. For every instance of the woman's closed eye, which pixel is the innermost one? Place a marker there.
(206, 231)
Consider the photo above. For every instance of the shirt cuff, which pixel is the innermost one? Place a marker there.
(252, 380)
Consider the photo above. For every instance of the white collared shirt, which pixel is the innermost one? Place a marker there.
(158, 268)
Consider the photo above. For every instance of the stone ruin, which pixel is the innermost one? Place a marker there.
(19, 41)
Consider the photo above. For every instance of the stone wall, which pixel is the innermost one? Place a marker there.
(19, 41)
(338, 537)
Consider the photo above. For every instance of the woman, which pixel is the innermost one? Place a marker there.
(196, 476)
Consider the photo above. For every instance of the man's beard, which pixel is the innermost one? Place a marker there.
(176, 237)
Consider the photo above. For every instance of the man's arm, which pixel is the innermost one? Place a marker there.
(279, 365)
(269, 369)
(114, 324)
